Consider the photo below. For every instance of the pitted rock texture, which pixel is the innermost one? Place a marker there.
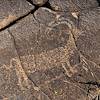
(88, 42)
(50, 50)
(39, 2)
(73, 5)
(11, 10)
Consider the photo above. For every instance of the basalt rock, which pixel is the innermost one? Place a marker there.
(49, 50)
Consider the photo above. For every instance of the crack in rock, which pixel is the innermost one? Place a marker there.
(49, 50)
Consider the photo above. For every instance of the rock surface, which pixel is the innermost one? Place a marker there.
(50, 50)
(11, 10)
(39, 2)
(73, 5)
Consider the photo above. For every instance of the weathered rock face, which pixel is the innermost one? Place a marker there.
(73, 5)
(11, 10)
(88, 42)
(49, 52)
(39, 2)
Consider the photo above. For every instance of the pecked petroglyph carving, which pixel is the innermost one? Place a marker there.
(49, 50)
